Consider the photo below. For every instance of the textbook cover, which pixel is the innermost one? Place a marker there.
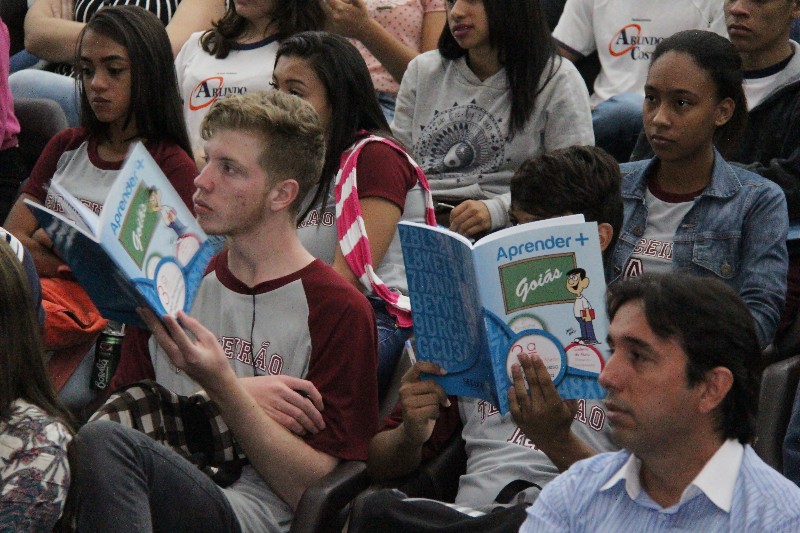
(145, 247)
(537, 288)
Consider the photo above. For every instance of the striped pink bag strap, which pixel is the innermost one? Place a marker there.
(352, 232)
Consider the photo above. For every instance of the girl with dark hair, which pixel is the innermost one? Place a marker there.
(129, 94)
(356, 233)
(35, 428)
(236, 55)
(493, 95)
(51, 34)
(687, 209)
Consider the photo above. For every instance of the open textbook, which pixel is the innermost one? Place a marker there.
(145, 247)
(537, 288)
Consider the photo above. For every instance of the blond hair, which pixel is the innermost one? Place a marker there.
(293, 136)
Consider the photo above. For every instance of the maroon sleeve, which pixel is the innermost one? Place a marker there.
(134, 363)
(45, 167)
(383, 172)
(178, 167)
(343, 365)
(448, 422)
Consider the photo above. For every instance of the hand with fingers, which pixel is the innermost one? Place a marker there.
(420, 401)
(536, 406)
(470, 218)
(349, 18)
(294, 403)
(200, 357)
(63, 9)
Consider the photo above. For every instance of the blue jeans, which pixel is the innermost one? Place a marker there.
(34, 83)
(391, 340)
(387, 102)
(76, 392)
(22, 60)
(127, 482)
(617, 123)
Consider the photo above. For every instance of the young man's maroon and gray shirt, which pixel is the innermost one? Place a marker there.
(311, 324)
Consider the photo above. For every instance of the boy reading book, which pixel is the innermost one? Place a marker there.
(511, 457)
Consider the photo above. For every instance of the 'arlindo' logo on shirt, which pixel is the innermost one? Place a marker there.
(629, 40)
(208, 90)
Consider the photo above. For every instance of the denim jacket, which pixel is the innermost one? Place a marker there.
(735, 231)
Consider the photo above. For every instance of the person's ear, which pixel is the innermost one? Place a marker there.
(724, 112)
(282, 194)
(606, 233)
(716, 385)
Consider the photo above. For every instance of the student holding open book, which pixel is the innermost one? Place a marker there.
(129, 93)
(509, 457)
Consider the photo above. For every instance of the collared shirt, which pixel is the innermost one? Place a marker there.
(716, 479)
(735, 491)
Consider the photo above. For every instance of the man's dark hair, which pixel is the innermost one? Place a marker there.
(713, 326)
(579, 180)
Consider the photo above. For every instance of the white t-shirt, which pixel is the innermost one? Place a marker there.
(759, 84)
(625, 34)
(653, 252)
(202, 78)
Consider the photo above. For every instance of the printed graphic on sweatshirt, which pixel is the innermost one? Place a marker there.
(459, 141)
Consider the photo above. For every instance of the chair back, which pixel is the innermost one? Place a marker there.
(778, 386)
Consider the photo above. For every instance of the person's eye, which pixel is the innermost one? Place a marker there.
(274, 84)
(116, 72)
(86, 72)
(649, 98)
(683, 103)
(638, 357)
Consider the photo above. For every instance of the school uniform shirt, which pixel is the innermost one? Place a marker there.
(311, 324)
(382, 173)
(71, 160)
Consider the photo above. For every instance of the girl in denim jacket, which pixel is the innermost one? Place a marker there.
(687, 209)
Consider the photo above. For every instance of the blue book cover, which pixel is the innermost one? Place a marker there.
(536, 288)
(145, 247)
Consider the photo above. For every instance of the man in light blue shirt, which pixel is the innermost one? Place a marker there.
(682, 391)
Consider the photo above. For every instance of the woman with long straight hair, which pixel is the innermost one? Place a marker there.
(35, 428)
(368, 182)
(493, 95)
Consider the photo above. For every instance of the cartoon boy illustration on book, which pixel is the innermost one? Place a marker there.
(168, 213)
(582, 309)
